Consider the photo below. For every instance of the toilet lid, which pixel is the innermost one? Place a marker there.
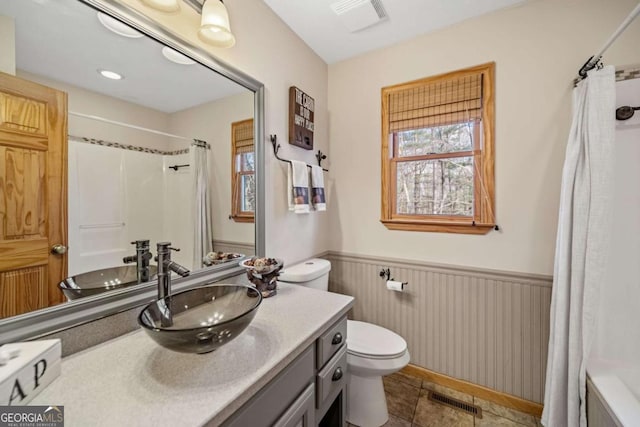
(366, 339)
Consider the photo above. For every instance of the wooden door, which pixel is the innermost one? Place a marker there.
(33, 195)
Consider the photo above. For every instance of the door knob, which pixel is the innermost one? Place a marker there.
(58, 249)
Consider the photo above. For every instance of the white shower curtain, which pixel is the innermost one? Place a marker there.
(203, 232)
(582, 245)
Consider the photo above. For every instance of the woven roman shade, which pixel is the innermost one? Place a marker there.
(243, 137)
(439, 103)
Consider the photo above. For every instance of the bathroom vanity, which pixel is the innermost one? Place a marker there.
(288, 367)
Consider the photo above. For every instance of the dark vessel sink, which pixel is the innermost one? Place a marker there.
(202, 319)
(99, 281)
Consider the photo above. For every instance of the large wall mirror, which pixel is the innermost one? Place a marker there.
(111, 133)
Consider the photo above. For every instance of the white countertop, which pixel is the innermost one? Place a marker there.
(133, 381)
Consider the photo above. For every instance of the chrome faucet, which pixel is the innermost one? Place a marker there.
(141, 258)
(165, 267)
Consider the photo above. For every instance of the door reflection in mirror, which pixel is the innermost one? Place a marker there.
(113, 171)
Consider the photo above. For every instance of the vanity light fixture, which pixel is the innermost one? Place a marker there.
(163, 5)
(118, 27)
(110, 75)
(175, 56)
(214, 25)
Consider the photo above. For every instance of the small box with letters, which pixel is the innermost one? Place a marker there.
(27, 368)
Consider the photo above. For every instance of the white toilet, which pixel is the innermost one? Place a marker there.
(372, 351)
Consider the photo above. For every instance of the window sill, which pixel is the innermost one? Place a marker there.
(436, 226)
(242, 218)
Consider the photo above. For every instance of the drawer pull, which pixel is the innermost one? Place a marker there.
(337, 339)
(337, 374)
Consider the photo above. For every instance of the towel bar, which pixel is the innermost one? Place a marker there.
(276, 147)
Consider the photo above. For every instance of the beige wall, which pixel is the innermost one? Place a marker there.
(538, 48)
(270, 52)
(93, 103)
(212, 122)
(7, 45)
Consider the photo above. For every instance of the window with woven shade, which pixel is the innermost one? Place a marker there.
(438, 153)
(243, 181)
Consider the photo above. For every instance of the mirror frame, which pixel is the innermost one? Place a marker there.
(63, 316)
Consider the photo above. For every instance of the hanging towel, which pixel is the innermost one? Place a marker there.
(298, 187)
(317, 189)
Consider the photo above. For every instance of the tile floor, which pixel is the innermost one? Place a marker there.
(409, 407)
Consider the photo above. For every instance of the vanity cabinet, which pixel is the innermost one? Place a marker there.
(310, 392)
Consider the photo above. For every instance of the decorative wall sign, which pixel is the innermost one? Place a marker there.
(301, 116)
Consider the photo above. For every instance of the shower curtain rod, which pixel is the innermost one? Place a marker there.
(595, 59)
(127, 125)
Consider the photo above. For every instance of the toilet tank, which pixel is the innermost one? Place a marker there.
(312, 273)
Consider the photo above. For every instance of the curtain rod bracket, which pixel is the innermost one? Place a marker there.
(586, 67)
(594, 61)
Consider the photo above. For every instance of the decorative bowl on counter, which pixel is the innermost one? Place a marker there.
(262, 266)
(213, 258)
(263, 273)
(200, 320)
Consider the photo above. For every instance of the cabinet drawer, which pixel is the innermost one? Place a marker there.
(331, 341)
(332, 377)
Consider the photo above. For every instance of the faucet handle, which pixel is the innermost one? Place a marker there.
(141, 244)
(165, 247)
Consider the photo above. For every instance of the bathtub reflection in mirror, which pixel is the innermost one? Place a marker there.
(144, 122)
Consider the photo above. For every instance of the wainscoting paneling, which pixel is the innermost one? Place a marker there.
(487, 327)
(235, 247)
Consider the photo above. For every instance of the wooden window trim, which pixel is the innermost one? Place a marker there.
(236, 214)
(483, 220)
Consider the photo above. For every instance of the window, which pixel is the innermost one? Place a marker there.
(437, 153)
(243, 181)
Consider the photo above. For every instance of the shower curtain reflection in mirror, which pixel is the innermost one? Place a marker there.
(118, 195)
(202, 225)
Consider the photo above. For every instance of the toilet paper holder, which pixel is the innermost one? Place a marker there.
(386, 273)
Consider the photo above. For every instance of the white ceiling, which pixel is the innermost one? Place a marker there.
(323, 31)
(63, 40)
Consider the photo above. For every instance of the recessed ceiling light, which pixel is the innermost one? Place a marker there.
(175, 56)
(118, 27)
(110, 74)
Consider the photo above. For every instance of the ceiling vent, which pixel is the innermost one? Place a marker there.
(357, 15)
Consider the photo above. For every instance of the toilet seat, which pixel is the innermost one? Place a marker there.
(371, 341)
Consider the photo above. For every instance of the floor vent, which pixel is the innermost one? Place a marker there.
(443, 399)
